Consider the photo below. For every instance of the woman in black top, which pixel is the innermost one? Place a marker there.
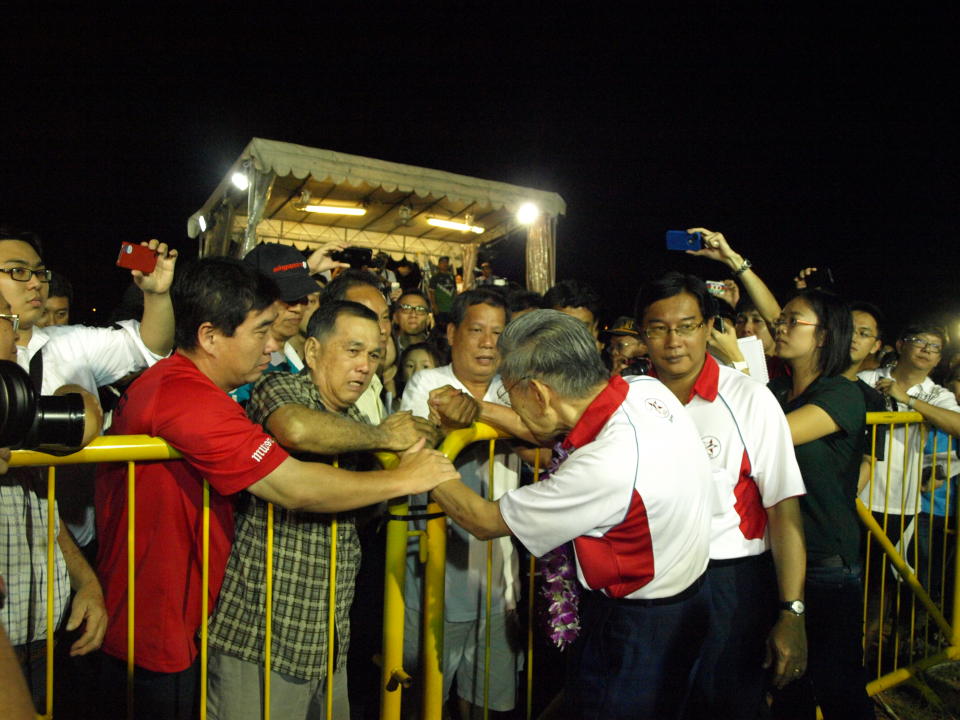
(826, 414)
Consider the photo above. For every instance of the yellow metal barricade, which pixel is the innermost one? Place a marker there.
(910, 608)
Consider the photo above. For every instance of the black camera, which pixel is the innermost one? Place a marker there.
(357, 257)
(29, 421)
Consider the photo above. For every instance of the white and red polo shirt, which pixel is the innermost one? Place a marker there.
(635, 496)
(748, 441)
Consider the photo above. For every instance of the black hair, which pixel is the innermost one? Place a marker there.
(415, 291)
(324, 318)
(60, 287)
(337, 288)
(671, 284)
(477, 296)
(835, 326)
(873, 311)
(521, 299)
(9, 232)
(218, 290)
(573, 294)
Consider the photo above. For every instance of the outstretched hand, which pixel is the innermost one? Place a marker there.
(160, 280)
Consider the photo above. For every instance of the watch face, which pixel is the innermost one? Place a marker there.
(796, 606)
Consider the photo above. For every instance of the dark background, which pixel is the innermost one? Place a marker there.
(823, 137)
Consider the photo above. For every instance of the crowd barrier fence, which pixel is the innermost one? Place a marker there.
(905, 612)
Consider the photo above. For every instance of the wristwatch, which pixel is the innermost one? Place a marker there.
(795, 606)
(743, 268)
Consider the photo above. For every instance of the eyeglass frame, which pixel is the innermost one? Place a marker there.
(14, 320)
(503, 394)
(687, 330)
(44, 275)
(415, 309)
(792, 323)
(921, 344)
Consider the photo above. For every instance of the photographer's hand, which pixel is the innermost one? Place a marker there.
(4, 460)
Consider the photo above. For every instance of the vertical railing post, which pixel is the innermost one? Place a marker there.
(531, 590)
(268, 613)
(204, 599)
(131, 582)
(391, 669)
(51, 582)
(434, 578)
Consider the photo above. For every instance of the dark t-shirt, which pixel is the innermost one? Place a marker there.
(875, 402)
(444, 286)
(830, 467)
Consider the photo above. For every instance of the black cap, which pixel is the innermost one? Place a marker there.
(624, 325)
(286, 266)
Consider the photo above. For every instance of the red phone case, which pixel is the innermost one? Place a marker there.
(137, 257)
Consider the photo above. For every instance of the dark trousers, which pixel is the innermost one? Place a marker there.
(729, 679)
(634, 660)
(835, 677)
(156, 695)
(32, 658)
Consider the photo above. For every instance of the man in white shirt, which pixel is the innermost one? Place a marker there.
(633, 493)
(756, 545)
(477, 319)
(909, 387)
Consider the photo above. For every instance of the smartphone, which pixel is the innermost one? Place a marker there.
(821, 279)
(718, 324)
(716, 287)
(137, 257)
(356, 257)
(682, 240)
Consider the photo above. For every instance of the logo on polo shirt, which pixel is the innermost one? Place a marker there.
(657, 407)
(711, 445)
(261, 451)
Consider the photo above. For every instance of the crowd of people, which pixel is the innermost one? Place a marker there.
(699, 551)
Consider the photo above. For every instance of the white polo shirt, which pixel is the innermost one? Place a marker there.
(903, 497)
(748, 441)
(635, 496)
(467, 556)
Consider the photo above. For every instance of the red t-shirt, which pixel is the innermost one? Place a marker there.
(175, 401)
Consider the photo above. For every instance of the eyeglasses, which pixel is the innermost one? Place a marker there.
(919, 342)
(417, 309)
(14, 320)
(864, 334)
(659, 332)
(791, 323)
(23, 274)
(503, 394)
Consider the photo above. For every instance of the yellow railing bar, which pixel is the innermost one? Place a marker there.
(268, 613)
(131, 578)
(488, 595)
(51, 582)
(531, 588)
(392, 674)
(434, 585)
(108, 448)
(332, 612)
(867, 518)
(204, 600)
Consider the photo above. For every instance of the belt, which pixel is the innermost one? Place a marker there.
(834, 561)
(692, 590)
(31, 651)
(728, 562)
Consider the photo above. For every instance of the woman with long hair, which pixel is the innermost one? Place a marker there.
(826, 414)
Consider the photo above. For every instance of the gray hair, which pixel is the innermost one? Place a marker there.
(554, 348)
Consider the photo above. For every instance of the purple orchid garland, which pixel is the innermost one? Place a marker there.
(560, 588)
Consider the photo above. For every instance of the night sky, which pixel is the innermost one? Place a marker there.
(807, 137)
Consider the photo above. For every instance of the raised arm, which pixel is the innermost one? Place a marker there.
(156, 327)
(316, 487)
(716, 247)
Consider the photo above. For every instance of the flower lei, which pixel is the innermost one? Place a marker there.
(560, 591)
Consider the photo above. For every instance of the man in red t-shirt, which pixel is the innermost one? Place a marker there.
(224, 311)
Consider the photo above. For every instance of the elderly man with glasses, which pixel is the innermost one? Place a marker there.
(908, 387)
(631, 488)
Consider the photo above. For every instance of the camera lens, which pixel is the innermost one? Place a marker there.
(52, 424)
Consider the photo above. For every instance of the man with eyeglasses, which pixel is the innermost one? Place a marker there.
(908, 387)
(411, 318)
(757, 550)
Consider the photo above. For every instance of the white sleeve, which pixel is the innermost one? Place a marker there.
(415, 396)
(944, 399)
(772, 457)
(583, 496)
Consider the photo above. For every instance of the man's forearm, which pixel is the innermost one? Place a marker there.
(156, 327)
(300, 429)
(788, 548)
(943, 419)
(81, 574)
(481, 518)
(506, 419)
